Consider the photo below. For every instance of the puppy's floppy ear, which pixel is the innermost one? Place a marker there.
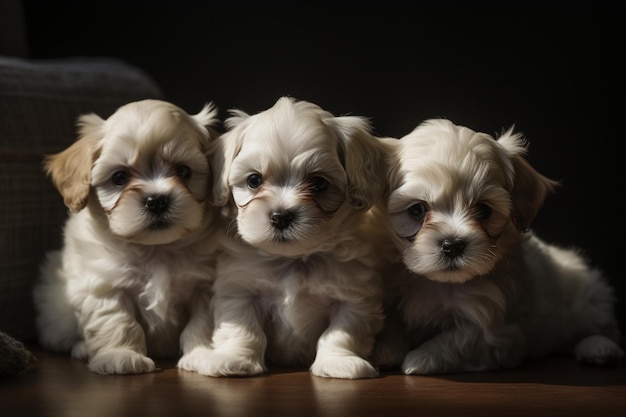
(222, 153)
(529, 188)
(390, 147)
(70, 169)
(205, 120)
(364, 160)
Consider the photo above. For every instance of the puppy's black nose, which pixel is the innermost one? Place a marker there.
(452, 247)
(157, 204)
(281, 219)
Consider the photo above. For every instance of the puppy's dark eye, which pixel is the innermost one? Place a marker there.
(183, 172)
(417, 210)
(318, 184)
(255, 181)
(120, 178)
(483, 211)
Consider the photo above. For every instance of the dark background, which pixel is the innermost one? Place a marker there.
(554, 69)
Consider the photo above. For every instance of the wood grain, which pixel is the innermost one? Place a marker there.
(55, 385)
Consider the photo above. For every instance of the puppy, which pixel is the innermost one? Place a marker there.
(298, 282)
(476, 289)
(134, 275)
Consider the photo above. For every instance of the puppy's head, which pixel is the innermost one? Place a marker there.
(295, 172)
(145, 166)
(459, 198)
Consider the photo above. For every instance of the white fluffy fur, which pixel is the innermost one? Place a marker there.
(304, 291)
(138, 260)
(476, 290)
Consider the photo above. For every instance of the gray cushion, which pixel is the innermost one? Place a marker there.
(40, 102)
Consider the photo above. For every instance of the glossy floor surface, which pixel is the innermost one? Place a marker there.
(58, 386)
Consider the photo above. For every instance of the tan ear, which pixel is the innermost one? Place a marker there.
(529, 188)
(364, 160)
(70, 169)
(222, 153)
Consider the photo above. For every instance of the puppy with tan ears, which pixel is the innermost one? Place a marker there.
(133, 279)
(298, 283)
(479, 291)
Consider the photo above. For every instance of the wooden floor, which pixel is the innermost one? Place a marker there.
(58, 386)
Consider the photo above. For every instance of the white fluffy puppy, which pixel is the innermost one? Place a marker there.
(480, 291)
(138, 258)
(298, 283)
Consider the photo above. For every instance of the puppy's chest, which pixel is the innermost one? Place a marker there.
(298, 305)
(160, 284)
(303, 279)
(281, 287)
(432, 305)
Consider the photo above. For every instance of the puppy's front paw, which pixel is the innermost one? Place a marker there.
(598, 350)
(121, 361)
(424, 362)
(346, 367)
(216, 363)
(193, 360)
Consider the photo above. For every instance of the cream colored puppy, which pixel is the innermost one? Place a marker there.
(298, 284)
(478, 290)
(133, 279)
